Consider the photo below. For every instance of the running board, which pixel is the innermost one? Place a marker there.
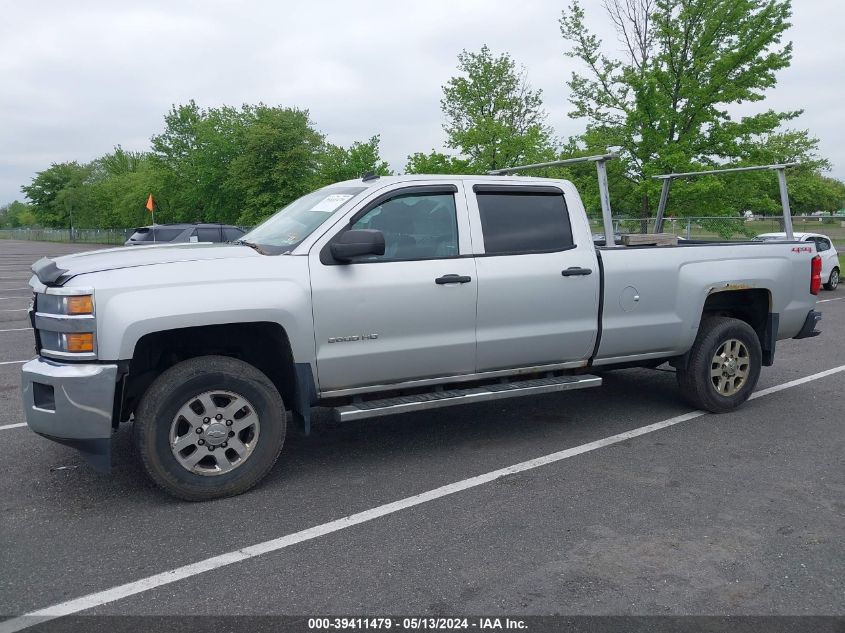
(451, 397)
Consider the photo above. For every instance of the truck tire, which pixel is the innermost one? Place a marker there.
(209, 427)
(833, 280)
(723, 367)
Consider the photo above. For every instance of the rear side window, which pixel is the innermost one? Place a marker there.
(516, 222)
(141, 235)
(208, 234)
(822, 244)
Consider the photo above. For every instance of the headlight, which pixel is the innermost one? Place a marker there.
(66, 342)
(65, 324)
(78, 342)
(83, 304)
(69, 305)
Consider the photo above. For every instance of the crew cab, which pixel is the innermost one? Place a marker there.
(381, 296)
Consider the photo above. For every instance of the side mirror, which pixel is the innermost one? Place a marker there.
(357, 242)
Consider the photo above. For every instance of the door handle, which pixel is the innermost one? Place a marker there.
(453, 279)
(574, 271)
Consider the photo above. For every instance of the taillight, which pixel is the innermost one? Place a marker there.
(816, 275)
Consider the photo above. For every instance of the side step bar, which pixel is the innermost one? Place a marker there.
(448, 398)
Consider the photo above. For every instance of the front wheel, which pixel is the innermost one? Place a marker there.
(833, 280)
(724, 365)
(209, 427)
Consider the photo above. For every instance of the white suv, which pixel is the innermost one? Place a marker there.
(824, 247)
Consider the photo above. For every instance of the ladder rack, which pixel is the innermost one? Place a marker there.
(604, 195)
(780, 168)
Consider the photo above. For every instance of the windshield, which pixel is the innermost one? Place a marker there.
(285, 230)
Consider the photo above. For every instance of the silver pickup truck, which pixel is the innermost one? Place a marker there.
(381, 296)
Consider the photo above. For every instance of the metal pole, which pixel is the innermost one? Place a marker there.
(727, 170)
(784, 201)
(604, 196)
(661, 208)
(554, 163)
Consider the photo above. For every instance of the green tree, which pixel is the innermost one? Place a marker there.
(121, 183)
(493, 117)
(193, 155)
(16, 214)
(342, 163)
(279, 161)
(665, 103)
(437, 163)
(60, 195)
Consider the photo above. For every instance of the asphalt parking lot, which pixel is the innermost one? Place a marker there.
(741, 513)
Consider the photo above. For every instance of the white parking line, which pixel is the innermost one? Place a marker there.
(5, 289)
(16, 310)
(216, 562)
(13, 362)
(21, 297)
(827, 300)
(17, 329)
(12, 426)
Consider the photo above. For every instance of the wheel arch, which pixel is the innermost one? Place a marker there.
(264, 345)
(752, 305)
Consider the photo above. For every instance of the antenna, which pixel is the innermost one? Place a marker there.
(370, 175)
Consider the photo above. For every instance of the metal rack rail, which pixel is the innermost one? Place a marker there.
(604, 195)
(784, 196)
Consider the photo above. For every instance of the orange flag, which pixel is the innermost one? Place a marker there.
(150, 203)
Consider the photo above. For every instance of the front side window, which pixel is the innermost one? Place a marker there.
(415, 226)
(519, 222)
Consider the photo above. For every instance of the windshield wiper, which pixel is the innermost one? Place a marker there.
(252, 245)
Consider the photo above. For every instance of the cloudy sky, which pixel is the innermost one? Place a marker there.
(78, 78)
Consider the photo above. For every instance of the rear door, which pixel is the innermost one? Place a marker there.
(538, 286)
(408, 314)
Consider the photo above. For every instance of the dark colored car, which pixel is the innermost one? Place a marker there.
(172, 233)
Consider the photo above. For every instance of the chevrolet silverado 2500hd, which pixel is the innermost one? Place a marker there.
(381, 296)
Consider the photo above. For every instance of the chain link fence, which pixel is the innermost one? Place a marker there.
(82, 236)
(721, 228)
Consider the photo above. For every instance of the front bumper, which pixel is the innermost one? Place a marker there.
(72, 404)
(809, 327)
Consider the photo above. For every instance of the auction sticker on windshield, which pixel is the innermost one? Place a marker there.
(331, 202)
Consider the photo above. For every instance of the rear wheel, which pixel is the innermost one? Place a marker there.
(833, 280)
(209, 427)
(724, 365)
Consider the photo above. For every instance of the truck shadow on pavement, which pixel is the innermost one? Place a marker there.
(461, 441)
